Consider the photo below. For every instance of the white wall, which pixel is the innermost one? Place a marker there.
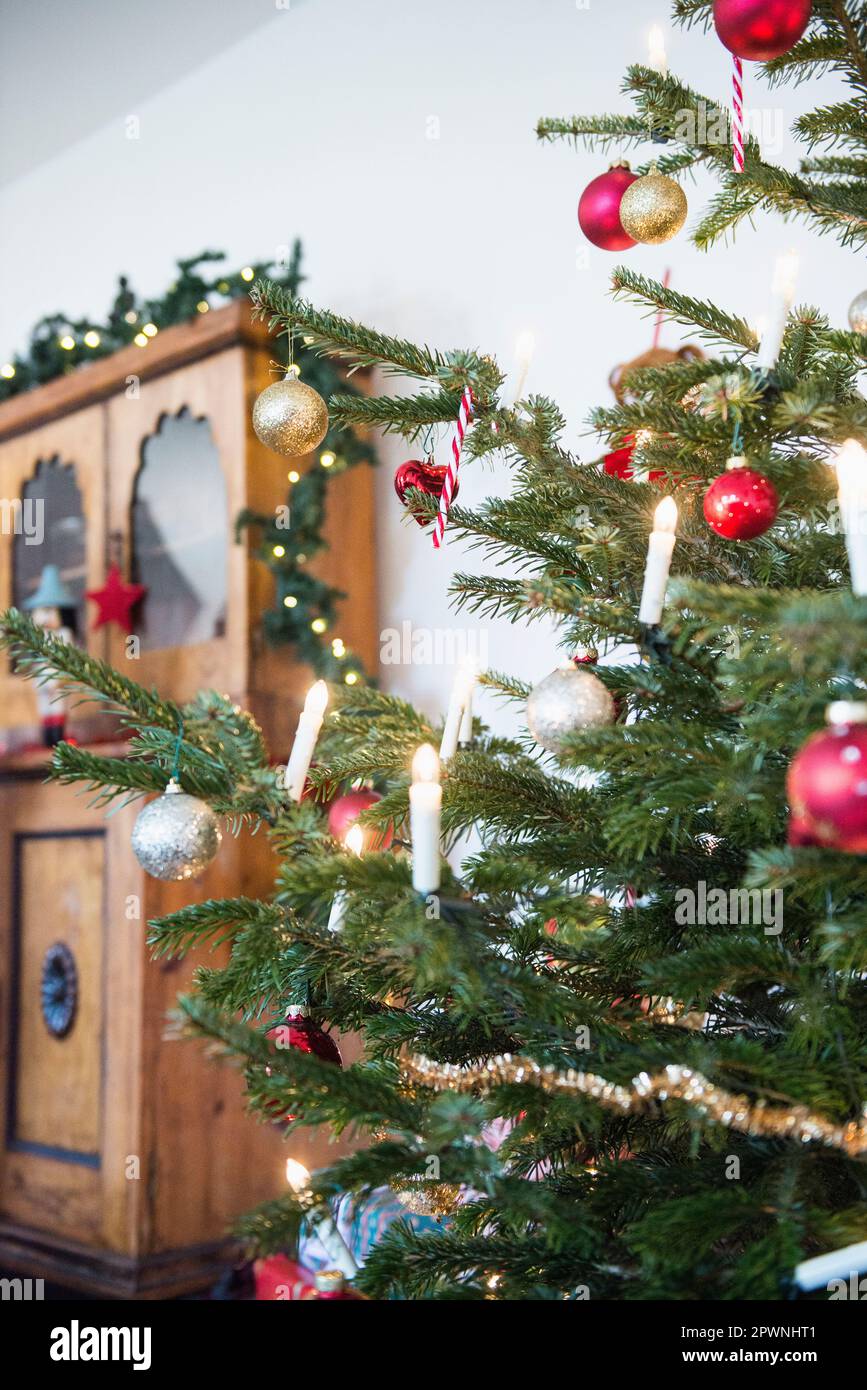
(316, 125)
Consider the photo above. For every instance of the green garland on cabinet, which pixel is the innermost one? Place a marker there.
(305, 608)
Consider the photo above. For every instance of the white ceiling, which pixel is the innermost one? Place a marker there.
(68, 67)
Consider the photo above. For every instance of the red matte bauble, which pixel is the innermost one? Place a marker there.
(761, 29)
(425, 477)
(827, 788)
(599, 209)
(344, 812)
(741, 504)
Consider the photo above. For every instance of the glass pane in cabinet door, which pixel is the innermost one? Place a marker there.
(50, 531)
(180, 535)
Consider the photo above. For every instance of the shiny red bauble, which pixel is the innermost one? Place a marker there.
(741, 504)
(425, 477)
(344, 812)
(827, 788)
(300, 1034)
(599, 209)
(618, 464)
(761, 29)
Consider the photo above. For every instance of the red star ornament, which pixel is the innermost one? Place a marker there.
(116, 600)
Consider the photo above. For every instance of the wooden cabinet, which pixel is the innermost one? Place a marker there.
(127, 1153)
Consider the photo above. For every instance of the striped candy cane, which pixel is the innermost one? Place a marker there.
(738, 116)
(465, 415)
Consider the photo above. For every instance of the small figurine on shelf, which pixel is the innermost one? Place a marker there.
(52, 608)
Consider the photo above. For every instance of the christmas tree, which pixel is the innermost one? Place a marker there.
(653, 968)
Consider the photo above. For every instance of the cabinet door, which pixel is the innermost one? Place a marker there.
(52, 496)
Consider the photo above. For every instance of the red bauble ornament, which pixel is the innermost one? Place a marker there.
(741, 504)
(618, 464)
(344, 812)
(116, 600)
(827, 783)
(301, 1033)
(425, 477)
(599, 209)
(761, 29)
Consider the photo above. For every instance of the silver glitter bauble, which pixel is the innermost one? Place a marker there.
(176, 836)
(567, 701)
(858, 313)
(289, 417)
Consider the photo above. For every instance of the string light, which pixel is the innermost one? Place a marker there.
(294, 475)
(337, 647)
(290, 601)
(92, 338)
(248, 273)
(67, 343)
(279, 551)
(203, 306)
(327, 459)
(7, 371)
(351, 678)
(140, 340)
(131, 316)
(319, 625)
(150, 330)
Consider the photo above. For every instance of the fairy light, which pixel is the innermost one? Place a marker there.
(140, 340)
(66, 342)
(92, 338)
(290, 601)
(248, 273)
(150, 330)
(319, 625)
(131, 316)
(7, 371)
(328, 459)
(278, 551)
(351, 678)
(293, 475)
(203, 306)
(337, 647)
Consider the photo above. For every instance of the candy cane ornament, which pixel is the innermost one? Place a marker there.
(737, 115)
(462, 423)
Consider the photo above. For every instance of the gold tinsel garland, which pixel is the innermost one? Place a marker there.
(674, 1082)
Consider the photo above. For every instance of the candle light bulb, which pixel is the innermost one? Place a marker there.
(786, 274)
(426, 764)
(851, 465)
(665, 516)
(656, 50)
(317, 699)
(297, 1176)
(525, 344)
(354, 840)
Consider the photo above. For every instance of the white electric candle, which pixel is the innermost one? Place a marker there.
(659, 552)
(354, 842)
(656, 50)
(463, 681)
(851, 464)
(525, 346)
(336, 1248)
(782, 294)
(837, 1264)
(309, 724)
(465, 737)
(425, 804)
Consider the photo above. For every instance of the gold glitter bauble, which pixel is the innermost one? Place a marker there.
(437, 1199)
(567, 701)
(176, 836)
(858, 313)
(290, 418)
(653, 209)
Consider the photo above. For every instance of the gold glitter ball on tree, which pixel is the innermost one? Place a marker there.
(653, 209)
(567, 701)
(422, 1198)
(290, 417)
(176, 836)
(858, 313)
